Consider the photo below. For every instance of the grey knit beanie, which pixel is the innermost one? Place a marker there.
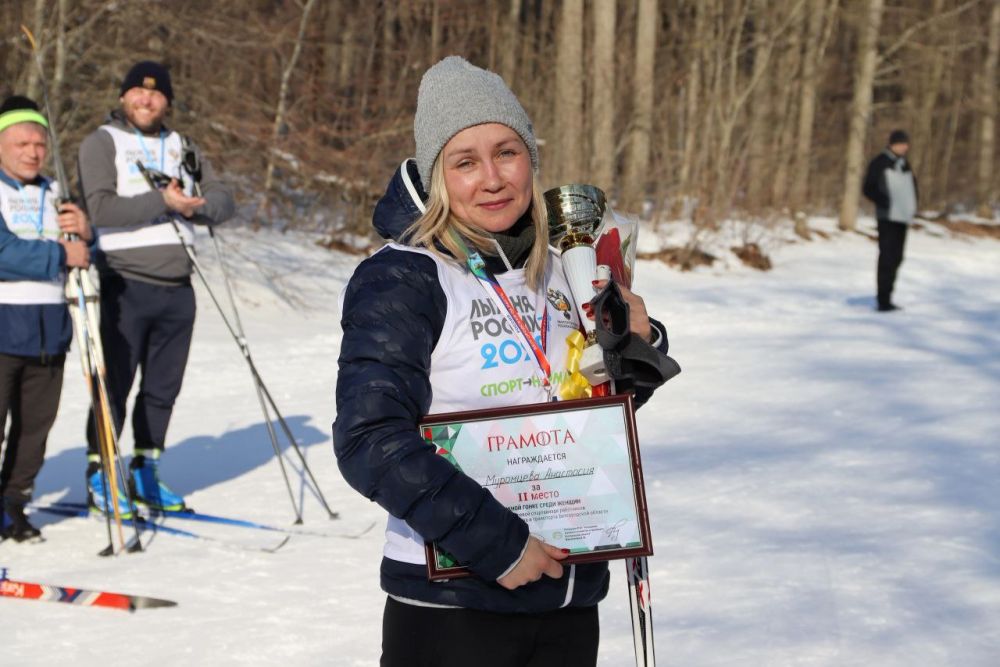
(454, 95)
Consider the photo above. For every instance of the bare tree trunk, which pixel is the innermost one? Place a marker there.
(279, 112)
(60, 73)
(366, 75)
(950, 139)
(511, 34)
(692, 91)
(435, 30)
(388, 67)
(602, 96)
(788, 68)
(807, 109)
(923, 133)
(860, 112)
(940, 142)
(37, 27)
(640, 132)
(495, 40)
(569, 94)
(347, 49)
(761, 120)
(730, 95)
(988, 120)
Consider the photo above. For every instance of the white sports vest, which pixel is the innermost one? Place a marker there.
(30, 212)
(902, 193)
(479, 362)
(159, 153)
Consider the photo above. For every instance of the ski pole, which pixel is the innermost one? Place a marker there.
(116, 470)
(253, 371)
(74, 295)
(241, 340)
(192, 165)
(157, 181)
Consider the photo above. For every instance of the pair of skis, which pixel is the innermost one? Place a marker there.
(65, 508)
(80, 510)
(29, 590)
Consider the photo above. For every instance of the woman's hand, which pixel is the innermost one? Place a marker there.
(638, 321)
(538, 559)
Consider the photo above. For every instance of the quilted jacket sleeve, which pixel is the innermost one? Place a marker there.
(393, 313)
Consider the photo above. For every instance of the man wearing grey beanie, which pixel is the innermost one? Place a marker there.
(456, 315)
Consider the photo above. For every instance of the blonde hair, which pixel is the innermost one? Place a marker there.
(437, 228)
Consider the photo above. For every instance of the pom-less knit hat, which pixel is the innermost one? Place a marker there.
(454, 95)
(19, 109)
(899, 137)
(147, 74)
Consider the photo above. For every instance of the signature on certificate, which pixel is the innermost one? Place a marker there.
(611, 533)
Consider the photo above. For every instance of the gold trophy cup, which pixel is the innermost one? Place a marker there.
(575, 214)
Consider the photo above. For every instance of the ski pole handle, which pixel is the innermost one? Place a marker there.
(156, 179)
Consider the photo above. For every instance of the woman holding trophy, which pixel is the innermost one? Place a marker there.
(428, 323)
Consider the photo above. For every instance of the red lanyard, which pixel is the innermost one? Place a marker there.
(493, 288)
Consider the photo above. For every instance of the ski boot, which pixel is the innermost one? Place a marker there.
(97, 498)
(17, 527)
(147, 489)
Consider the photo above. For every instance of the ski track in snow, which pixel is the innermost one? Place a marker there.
(822, 479)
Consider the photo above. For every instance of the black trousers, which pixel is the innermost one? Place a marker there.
(891, 239)
(29, 391)
(147, 327)
(415, 636)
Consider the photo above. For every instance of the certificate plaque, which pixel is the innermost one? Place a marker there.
(571, 470)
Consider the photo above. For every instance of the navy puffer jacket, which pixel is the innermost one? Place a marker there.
(393, 314)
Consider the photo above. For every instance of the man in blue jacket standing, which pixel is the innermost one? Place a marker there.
(35, 327)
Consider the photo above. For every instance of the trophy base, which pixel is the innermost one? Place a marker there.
(592, 365)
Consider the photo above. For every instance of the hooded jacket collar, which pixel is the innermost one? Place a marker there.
(402, 204)
(39, 180)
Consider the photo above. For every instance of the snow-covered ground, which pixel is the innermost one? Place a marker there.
(824, 480)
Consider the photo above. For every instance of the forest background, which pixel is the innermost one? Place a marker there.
(680, 109)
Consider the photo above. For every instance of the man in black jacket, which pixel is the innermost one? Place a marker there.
(892, 187)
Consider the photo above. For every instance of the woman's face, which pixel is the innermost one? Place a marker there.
(487, 173)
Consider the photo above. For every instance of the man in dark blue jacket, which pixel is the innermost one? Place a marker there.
(35, 328)
(892, 187)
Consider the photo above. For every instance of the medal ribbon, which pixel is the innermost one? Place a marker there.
(576, 386)
(493, 289)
